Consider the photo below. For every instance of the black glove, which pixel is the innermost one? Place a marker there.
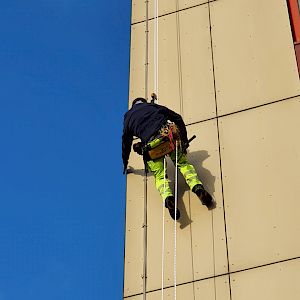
(138, 148)
(184, 147)
(186, 144)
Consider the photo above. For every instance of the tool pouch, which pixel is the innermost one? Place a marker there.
(169, 134)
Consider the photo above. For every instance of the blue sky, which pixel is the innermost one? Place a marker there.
(64, 68)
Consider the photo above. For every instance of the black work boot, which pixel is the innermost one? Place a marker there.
(203, 195)
(170, 205)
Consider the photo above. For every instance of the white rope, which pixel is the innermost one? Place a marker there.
(163, 235)
(145, 171)
(147, 50)
(176, 196)
(155, 58)
(156, 49)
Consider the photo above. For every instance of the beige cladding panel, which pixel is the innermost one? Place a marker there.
(253, 53)
(195, 55)
(260, 151)
(137, 62)
(212, 289)
(183, 4)
(164, 7)
(133, 261)
(276, 282)
(207, 227)
(196, 65)
(168, 72)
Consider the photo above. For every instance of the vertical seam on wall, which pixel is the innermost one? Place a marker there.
(214, 254)
(181, 113)
(218, 130)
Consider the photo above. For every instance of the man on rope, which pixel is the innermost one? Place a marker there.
(146, 121)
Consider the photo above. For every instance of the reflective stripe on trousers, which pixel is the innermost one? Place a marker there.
(187, 170)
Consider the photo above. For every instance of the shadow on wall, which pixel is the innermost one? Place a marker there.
(196, 158)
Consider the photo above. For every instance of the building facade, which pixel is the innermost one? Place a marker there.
(229, 68)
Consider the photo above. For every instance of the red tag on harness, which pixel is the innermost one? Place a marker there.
(171, 139)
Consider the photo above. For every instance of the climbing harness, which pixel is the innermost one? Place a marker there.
(163, 143)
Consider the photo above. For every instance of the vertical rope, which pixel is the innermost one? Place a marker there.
(146, 52)
(163, 236)
(179, 57)
(156, 48)
(145, 171)
(145, 234)
(175, 233)
(155, 58)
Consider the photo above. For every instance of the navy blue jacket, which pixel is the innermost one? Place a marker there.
(144, 120)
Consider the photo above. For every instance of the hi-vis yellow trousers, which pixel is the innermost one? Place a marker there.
(187, 170)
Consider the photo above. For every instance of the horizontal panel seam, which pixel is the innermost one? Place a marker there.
(211, 277)
(173, 12)
(242, 110)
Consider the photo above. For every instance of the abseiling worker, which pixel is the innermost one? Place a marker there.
(149, 122)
